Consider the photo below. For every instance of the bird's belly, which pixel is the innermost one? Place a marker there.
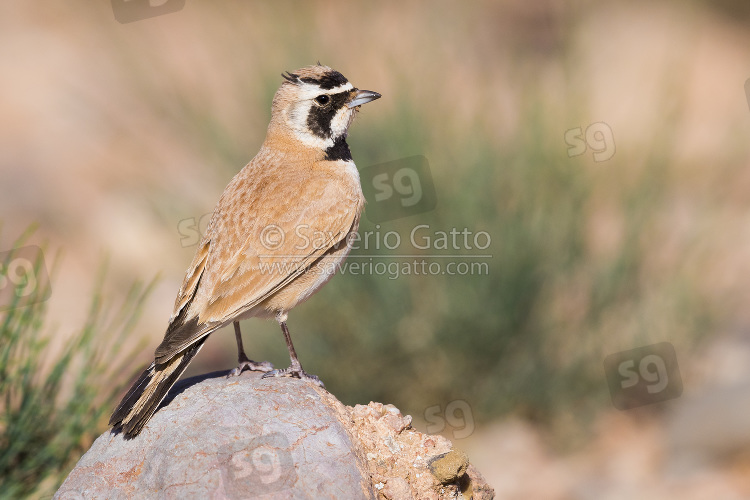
(305, 285)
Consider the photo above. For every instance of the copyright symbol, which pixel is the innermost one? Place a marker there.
(272, 237)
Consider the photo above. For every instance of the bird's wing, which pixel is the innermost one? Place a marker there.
(299, 225)
(191, 280)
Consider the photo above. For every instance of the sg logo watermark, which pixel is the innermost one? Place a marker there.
(259, 466)
(128, 11)
(23, 278)
(398, 189)
(598, 137)
(643, 376)
(192, 230)
(457, 413)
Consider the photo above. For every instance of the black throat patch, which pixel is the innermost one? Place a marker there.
(339, 150)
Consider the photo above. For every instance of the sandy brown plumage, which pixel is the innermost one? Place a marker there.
(275, 237)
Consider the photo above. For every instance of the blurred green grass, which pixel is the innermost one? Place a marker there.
(55, 404)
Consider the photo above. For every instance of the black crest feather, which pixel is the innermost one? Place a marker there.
(327, 81)
(290, 77)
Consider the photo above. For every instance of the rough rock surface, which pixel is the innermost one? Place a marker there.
(247, 437)
(404, 463)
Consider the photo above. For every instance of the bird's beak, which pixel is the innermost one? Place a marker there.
(363, 97)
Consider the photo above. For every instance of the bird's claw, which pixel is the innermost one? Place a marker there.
(247, 364)
(294, 373)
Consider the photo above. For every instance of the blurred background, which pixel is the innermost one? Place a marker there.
(602, 147)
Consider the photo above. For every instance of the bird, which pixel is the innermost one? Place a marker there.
(280, 230)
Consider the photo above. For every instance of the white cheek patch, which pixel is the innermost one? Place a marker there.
(297, 119)
(340, 123)
(297, 115)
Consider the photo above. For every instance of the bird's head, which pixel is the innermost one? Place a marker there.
(315, 107)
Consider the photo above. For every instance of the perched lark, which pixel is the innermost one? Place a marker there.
(277, 235)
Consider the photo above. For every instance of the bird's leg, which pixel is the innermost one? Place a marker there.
(244, 362)
(295, 369)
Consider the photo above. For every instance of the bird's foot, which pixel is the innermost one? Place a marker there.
(248, 364)
(295, 372)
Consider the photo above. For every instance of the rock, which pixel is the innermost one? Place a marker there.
(399, 458)
(247, 437)
(708, 427)
(449, 467)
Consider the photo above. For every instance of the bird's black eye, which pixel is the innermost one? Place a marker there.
(322, 99)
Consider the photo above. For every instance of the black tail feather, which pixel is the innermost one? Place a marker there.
(134, 393)
(166, 374)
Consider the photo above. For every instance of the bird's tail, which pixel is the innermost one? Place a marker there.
(144, 397)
